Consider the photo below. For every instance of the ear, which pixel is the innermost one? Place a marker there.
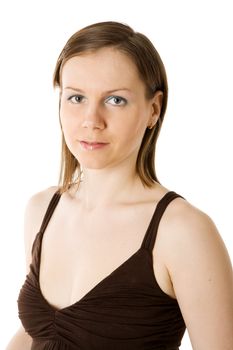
(156, 105)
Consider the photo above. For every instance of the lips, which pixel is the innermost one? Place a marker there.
(92, 145)
(92, 142)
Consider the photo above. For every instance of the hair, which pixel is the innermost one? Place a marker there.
(151, 71)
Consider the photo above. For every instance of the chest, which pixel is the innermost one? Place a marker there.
(80, 249)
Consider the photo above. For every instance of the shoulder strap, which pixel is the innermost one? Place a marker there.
(150, 236)
(49, 212)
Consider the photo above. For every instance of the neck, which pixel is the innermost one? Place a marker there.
(109, 186)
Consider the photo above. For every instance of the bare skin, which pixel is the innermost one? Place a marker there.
(190, 260)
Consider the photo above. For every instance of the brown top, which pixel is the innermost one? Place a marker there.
(126, 310)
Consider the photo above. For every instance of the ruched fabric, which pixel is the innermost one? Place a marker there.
(126, 310)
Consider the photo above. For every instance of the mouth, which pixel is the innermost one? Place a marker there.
(93, 142)
(92, 145)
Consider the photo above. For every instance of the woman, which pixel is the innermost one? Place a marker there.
(118, 261)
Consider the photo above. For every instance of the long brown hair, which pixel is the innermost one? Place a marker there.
(151, 71)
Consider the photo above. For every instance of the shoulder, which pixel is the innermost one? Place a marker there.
(35, 209)
(37, 205)
(189, 227)
(189, 232)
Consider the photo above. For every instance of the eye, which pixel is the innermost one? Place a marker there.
(118, 101)
(75, 99)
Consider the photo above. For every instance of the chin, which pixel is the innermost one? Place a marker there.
(93, 165)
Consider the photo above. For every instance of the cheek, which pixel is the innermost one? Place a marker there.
(70, 135)
(132, 133)
(136, 126)
(68, 122)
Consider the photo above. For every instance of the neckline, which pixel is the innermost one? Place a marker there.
(91, 291)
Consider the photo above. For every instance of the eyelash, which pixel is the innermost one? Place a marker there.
(114, 96)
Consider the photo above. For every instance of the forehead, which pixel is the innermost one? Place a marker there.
(106, 65)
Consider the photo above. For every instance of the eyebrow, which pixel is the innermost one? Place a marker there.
(106, 92)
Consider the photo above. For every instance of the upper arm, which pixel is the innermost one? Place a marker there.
(201, 274)
(33, 216)
(20, 341)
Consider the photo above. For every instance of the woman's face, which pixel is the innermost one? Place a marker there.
(103, 101)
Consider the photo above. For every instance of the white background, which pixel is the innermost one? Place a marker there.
(194, 156)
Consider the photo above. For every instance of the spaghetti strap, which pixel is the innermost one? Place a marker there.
(151, 233)
(51, 207)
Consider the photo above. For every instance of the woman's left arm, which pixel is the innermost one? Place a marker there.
(201, 273)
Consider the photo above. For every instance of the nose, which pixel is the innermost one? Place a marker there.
(92, 117)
